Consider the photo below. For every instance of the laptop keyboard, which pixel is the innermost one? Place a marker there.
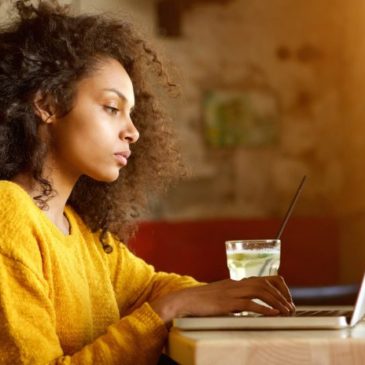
(322, 313)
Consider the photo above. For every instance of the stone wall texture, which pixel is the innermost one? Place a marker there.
(309, 55)
(305, 56)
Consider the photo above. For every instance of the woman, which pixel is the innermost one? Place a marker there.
(73, 104)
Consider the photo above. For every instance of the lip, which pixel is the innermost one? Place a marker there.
(122, 157)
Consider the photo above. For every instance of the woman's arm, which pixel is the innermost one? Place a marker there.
(171, 295)
(28, 327)
(227, 296)
(135, 282)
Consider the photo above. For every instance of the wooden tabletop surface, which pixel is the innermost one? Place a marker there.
(276, 347)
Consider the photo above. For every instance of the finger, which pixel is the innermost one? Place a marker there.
(280, 284)
(252, 286)
(261, 288)
(259, 284)
(251, 306)
(272, 299)
(276, 291)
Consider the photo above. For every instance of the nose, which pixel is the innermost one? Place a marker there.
(129, 133)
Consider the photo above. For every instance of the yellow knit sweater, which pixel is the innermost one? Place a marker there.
(63, 300)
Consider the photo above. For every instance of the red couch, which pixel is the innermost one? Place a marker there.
(309, 253)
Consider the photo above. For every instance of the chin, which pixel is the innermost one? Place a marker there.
(109, 177)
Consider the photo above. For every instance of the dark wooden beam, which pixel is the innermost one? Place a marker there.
(194, 2)
(169, 17)
(170, 14)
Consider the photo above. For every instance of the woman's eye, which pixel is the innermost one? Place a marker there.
(111, 110)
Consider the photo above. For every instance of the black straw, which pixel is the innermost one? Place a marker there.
(291, 207)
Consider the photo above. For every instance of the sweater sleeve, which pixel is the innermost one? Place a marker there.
(28, 333)
(147, 283)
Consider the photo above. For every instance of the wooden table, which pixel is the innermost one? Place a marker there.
(278, 347)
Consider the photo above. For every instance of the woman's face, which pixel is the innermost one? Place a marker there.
(94, 138)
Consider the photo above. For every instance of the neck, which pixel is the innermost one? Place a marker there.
(56, 205)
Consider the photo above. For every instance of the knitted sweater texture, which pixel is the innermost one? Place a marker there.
(63, 300)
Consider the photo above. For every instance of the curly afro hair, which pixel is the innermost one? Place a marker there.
(47, 50)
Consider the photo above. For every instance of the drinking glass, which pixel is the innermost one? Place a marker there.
(247, 258)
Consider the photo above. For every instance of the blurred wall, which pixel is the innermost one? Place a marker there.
(289, 50)
(309, 56)
(352, 131)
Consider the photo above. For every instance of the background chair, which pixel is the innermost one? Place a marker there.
(325, 295)
(309, 254)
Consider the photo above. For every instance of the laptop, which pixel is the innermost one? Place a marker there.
(316, 317)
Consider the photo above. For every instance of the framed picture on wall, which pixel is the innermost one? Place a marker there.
(241, 118)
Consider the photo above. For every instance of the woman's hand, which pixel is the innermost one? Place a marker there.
(227, 296)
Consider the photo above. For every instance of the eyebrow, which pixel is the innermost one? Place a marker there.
(122, 96)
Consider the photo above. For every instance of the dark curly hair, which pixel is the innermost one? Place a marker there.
(47, 50)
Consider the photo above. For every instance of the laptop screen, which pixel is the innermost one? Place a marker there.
(359, 310)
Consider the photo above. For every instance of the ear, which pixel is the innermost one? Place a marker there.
(43, 108)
